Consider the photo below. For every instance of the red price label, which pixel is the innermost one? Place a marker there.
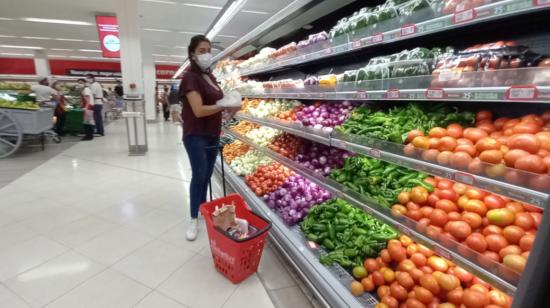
(464, 16)
(392, 94)
(542, 2)
(435, 93)
(464, 178)
(361, 94)
(407, 30)
(522, 93)
(356, 44)
(377, 38)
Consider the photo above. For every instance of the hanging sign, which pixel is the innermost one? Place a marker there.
(107, 27)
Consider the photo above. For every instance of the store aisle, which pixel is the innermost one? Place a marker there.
(93, 227)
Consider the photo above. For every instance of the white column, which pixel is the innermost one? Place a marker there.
(41, 63)
(130, 46)
(149, 81)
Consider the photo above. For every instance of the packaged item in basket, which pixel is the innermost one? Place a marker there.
(225, 219)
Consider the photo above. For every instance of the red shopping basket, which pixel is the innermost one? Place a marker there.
(235, 259)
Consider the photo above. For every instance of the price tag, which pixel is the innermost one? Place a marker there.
(442, 252)
(522, 93)
(464, 178)
(327, 51)
(464, 16)
(392, 94)
(407, 30)
(361, 95)
(356, 44)
(377, 38)
(435, 93)
(542, 2)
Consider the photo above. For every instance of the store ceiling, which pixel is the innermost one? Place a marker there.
(167, 25)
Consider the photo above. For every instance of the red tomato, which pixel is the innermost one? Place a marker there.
(513, 234)
(459, 229)
(487, 143)
(510, 250)
(526, 142)
(460, 160)
(476, 242)
(447, 193)
(454, 216)
(446, 205)
(537, 217)
(491, 156)
(455, 130)
(437, 132)
(544, 138)
(476, 206)
(495, 242)
(499, 123)
(484, 115)
(473, 219)
(475, 134)
(526, 242)
(426, 210)
(443, 157)
(474, 193)
(524, 221)
(526, 128)
(493, 202)
(447, 143)
(438, 217)
(432, 199)
(444, 184)
(530, 163)
(492, 229)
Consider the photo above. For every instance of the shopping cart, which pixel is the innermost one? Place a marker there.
(235, 259)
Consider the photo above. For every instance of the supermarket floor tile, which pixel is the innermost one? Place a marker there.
(291, 297)
(106, 290)
(153, 263)
(157, 300)
(93, 227)
(9, 300)
(43, 284)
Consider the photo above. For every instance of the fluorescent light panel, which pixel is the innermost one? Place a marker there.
(79, 57)
(68, 40)
(159, 55)
(92, 41)
(157, 30)
(231, 11)
(182, 68)
(58, 21)
(7, 36)
(160, 1)
(89, 50)
(16, 54)
(21, 47)
(180, 47)
(5, 18)
(61, 49)
(176, 56)
(227, 35)
(36, 38)
(189, 32)
(214, 7)
(255, 12)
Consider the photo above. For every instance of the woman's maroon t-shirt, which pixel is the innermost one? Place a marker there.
(206, 126)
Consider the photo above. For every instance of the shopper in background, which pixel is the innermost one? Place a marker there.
(87, 104)
(119, 90)
(165, 104)
(59, 111)
(97, 91)
(175, 105)
(202, 118)
(46, 96)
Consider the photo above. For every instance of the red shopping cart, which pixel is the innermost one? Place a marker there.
(236, 259)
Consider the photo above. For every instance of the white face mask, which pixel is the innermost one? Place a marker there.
(204, 60)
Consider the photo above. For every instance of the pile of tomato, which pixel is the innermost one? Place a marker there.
(286, 145)
(520, 143)
(497, 227)
(267, 178)
(407, 274)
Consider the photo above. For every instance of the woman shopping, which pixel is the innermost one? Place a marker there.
(202, 119)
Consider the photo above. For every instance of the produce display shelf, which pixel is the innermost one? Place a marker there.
(494, 11)
(330, 283)
(523, 94)
(493, 272)
(394, 153)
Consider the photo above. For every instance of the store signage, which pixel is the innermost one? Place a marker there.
(97, 73)
(107, 27)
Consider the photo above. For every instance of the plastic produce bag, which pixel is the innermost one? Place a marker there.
(230, 99)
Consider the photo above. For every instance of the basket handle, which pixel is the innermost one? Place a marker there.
(260, 232)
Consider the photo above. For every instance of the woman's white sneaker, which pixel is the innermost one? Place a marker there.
(192, 230)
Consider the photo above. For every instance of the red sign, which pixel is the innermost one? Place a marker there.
(107, 27)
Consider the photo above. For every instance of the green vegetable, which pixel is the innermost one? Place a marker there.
(356, 235)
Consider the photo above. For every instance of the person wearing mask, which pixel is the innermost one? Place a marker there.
(87, 104)
(175, 106)
(97, 91)
(202, 119)
(46, 96)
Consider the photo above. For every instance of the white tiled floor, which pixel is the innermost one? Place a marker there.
(93, 227)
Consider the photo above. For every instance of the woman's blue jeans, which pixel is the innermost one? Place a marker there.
(202, 152)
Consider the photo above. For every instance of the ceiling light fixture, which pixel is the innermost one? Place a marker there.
(160, 45)
(157, 30)
(36, 38)
(255, 12)
(160, 1)
(61, 49)
(229, 13)
(79, 57)
(90, 50)
(6, 36)
(21, 47)
(92, 41)
(16, 54)
(68, 40)
(189, 32)
(56, 56)
(159, 55)
(227, 35)
(181, 69)
(58, 21)
(176, 56)
(180, 47)
(203, 6)
(5, 18)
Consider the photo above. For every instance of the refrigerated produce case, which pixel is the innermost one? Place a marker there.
(513, 86)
